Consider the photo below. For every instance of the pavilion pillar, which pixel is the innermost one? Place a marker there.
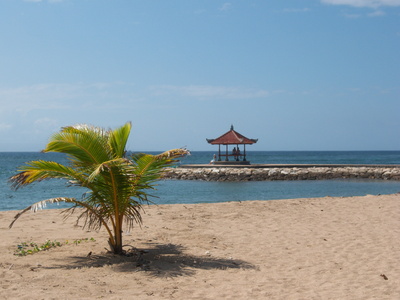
(226, 157)
(219, 152)
(244, 152)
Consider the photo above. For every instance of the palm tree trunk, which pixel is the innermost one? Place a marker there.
(118, 243)
(117, 248)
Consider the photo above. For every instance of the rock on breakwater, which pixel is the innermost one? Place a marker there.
(282, 173)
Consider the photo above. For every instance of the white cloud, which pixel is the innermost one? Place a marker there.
(352, 16)
(24, 99)
(226, 6)
(27, 98)
(377, 13)
(211, 92)
(363, 3)
(296, 10)
(45, 124)
(200, 11)
(5, 127)
(49, 1)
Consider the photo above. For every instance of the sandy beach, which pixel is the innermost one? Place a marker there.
(322, 248)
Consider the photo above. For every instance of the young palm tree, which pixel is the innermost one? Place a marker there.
(117, 185)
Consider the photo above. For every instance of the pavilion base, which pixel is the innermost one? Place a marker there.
(233, 162)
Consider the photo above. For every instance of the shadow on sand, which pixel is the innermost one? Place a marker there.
(163, 260)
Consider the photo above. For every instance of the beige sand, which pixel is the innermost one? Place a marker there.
(328, 248)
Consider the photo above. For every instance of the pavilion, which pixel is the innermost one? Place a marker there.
(232, 137)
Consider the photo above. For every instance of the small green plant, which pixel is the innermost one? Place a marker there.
(25, 248)
(31, 248)
(76, 242)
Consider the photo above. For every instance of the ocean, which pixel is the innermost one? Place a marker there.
(175, 191)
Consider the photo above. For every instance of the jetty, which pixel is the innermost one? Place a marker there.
(265, 172)
(232, 165)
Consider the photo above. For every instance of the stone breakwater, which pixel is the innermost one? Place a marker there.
(282, 173)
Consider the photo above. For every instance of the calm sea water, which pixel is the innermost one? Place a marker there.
(174, 191)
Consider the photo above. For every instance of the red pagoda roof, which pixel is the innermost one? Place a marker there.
(230, 138)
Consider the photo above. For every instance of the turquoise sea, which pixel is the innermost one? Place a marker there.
(174, 191)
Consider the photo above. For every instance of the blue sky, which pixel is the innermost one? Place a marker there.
(297, 75)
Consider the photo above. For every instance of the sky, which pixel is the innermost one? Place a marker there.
(296, 74)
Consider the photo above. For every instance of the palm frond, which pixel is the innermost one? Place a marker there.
(40, 205)
(172, 154)
(133, 216)
(41, 170)
(85, 145)
(118, 139)
(90, 211)
(106, 166)
(149, 167)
